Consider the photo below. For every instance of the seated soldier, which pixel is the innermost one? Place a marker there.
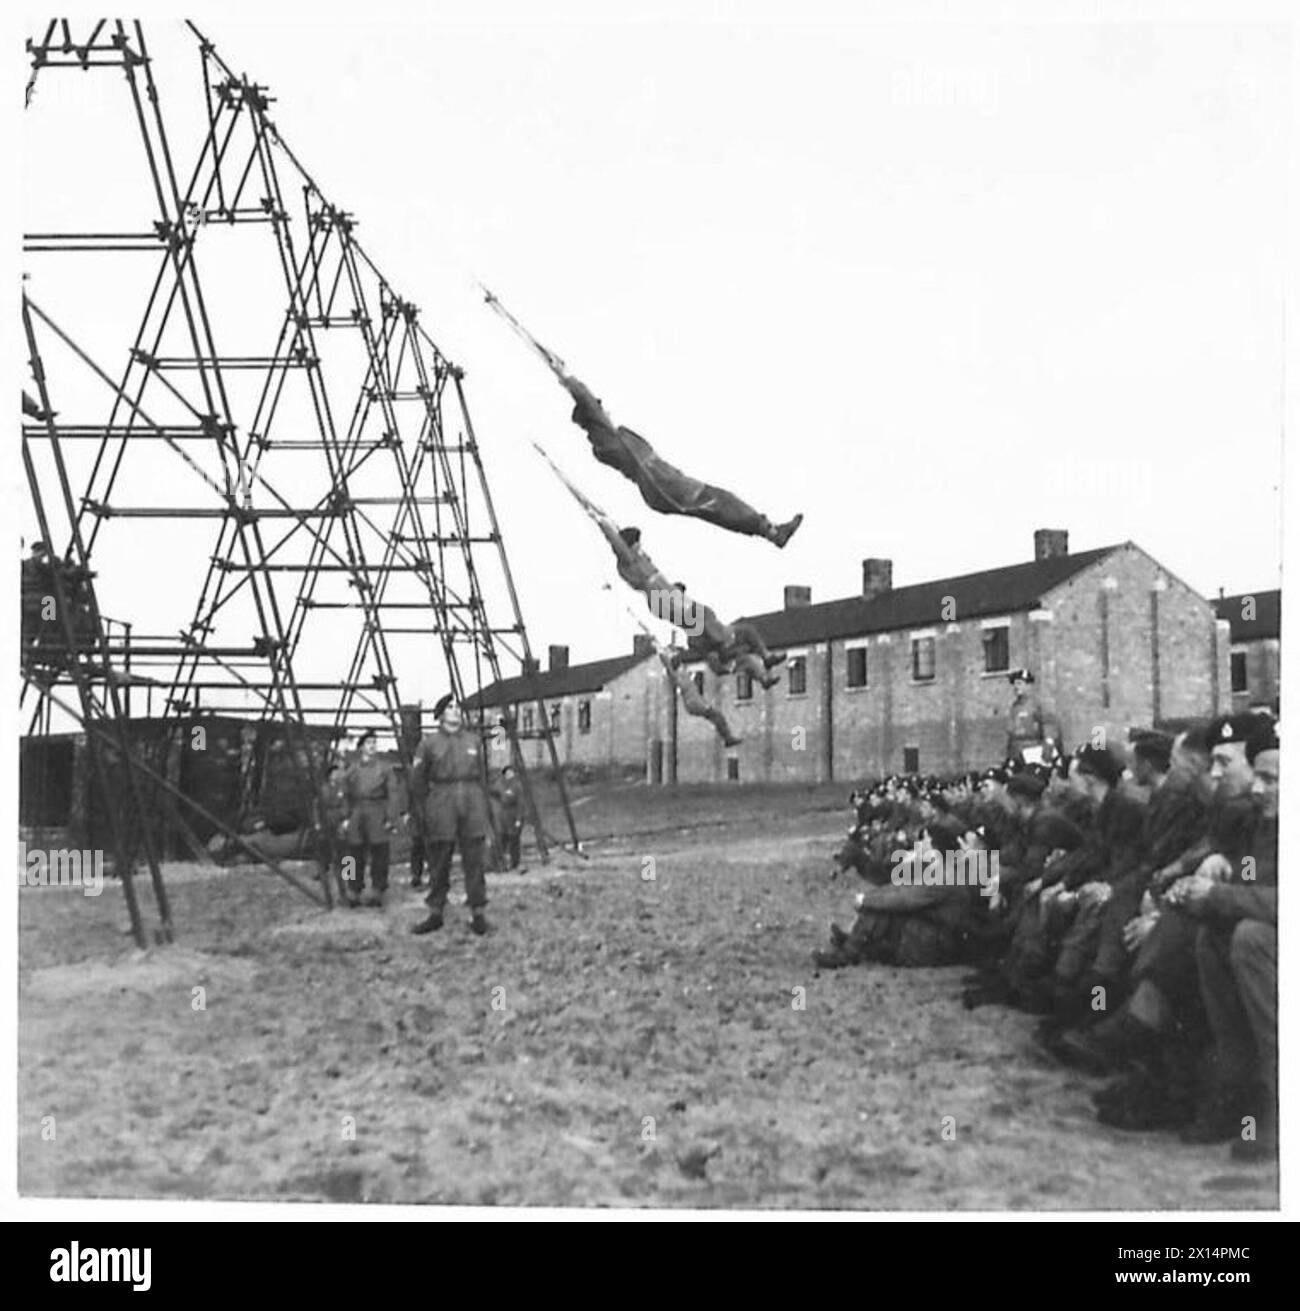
(1153, 1040)
(1236, 961)
(930, 912)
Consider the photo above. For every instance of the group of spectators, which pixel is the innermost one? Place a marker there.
(1126, 893)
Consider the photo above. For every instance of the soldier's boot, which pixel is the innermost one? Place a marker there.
(1262, 1148)
(430, 924)
(373, 897)
(478, 923)
(830, 958)
(1218, 1118)
(773, 658)
(782, 533)
(1108, 1046)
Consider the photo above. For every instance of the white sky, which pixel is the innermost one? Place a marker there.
(933, 283)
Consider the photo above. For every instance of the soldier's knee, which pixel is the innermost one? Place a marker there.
(1252, 940)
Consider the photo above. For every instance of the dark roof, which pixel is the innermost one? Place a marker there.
(1268, 615)
(1008, 590)
(590, 677)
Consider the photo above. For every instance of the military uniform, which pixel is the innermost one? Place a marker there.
(508, 796)
(663, 487)
(331, 806)
(371, 794)
(695, 704)
(449, 768)
(1026, 726)
(1236, 959)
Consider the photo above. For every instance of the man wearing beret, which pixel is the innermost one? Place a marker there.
(1029, 736)
(1176, 816)
(372, 799)
(913, 921)
(1156, 1027)
(1236, 958)
(450, 776)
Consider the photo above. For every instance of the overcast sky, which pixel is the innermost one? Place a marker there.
(933, 284)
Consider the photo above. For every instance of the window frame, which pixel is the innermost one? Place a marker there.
(917, 640)
(857, 649)
(799, 660)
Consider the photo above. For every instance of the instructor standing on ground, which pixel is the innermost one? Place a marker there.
(449, 774)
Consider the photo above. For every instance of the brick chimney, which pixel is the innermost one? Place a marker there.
(1051, 543)
(528, 666)
(877, 577)
(796, 596)
(557, 658)
(642, 644)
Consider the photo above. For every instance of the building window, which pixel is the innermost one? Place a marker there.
(857, 666)
(744, 686)
(733, 769)
(555, 718)
(796, 675)
(698, 679)
(911, 760)
(923, 659)
(584, 716)
(1239, 671)
(530, 719)
(997, 650)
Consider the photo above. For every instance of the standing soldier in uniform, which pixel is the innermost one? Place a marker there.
(1027, 737)
(450, 771)
(415, 799)
(508, 796)
(333, 809)
(371, 793)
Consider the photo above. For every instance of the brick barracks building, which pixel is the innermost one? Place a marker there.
(1255, 632)
(909, 678)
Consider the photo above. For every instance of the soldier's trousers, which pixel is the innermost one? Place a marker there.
(471, 861)
(417, 857)
(377, 854)
(510, 836)
(1238, 976)
(1111, 962)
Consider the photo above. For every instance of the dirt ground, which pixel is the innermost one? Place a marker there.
(619, 1040)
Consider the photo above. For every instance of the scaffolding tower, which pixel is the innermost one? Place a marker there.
(278, 418)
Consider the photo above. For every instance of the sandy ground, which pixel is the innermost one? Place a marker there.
(619, 1040)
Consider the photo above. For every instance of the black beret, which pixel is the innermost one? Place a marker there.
(1234, 728)
(1099, 763)
(442, 703)
(1026, 785)
(1020, 676)
(1154, 747)
(1264, 738)
(945, 834)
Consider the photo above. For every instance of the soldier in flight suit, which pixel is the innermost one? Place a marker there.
(450, 771)
(371, 793)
